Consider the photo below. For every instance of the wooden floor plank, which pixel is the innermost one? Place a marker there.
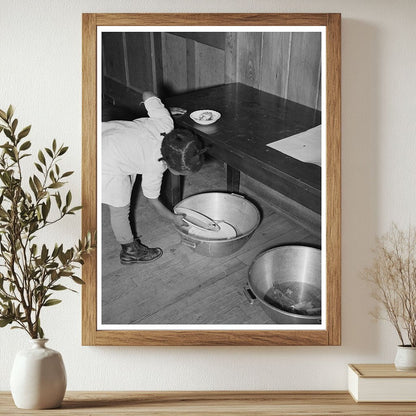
(183, 286)
(218, 300)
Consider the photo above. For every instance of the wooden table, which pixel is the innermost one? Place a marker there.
(250, 119)
(212, 403)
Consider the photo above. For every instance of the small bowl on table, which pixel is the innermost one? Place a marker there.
(205, 117)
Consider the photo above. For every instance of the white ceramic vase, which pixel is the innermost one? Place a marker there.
(405, 358)
(38, 377)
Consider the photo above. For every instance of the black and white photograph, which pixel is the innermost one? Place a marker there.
(211, 208)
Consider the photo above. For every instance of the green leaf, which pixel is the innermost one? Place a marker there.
(25, 145)
(59, 287)
(54, 145)
(33, 187)
(14, 125)
(40, 331)
(41, 157)
(68, 199)
(4, 298)
(45, 211)
(54, 276)
(78, 280)
(37, 182)
(56, 185)
(51, 302)
(60, 249)
(24, 132)
(44, 253)
(67, 174)
(5, 145)
(77, 208)
(10, 112)
(66, 274)
(58, 199)
(8, 133)
(39, 167)
(34, 226)
(63, 150)
(3, 115)
(62, 257)
(49, 152)
(55, 251)
(5, 321)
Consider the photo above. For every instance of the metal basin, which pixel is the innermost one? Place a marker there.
(288, 273)
(233, 209)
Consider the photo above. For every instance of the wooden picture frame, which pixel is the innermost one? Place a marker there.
(331, 334)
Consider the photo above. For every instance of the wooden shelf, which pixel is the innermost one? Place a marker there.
(318, 403)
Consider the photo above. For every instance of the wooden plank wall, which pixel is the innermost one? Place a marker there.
(128, 68)
(125, 59)
(303, 85)
(284, 64)
(189, 64)
(113, 57)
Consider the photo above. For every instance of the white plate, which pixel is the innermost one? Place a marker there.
(205, 117)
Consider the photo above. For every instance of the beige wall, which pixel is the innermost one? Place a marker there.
(41, 75)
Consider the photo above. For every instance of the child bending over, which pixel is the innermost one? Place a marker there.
(146, 146)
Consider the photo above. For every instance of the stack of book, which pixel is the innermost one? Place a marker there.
(381, 383)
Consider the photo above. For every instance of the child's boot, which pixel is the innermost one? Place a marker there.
(136, 252)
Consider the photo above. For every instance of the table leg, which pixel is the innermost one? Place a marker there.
(233, 179)
(172, 189)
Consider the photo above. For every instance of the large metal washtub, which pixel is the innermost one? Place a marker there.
(234, 209)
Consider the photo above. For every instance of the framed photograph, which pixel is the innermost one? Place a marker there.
(211, 172)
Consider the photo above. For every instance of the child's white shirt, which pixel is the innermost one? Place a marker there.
(130, 148)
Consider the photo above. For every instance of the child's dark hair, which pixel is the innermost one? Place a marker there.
(183, 151)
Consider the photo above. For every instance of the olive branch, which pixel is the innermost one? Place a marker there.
(31, 274)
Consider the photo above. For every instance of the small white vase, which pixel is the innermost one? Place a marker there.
(405, 358)
(38, 377)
